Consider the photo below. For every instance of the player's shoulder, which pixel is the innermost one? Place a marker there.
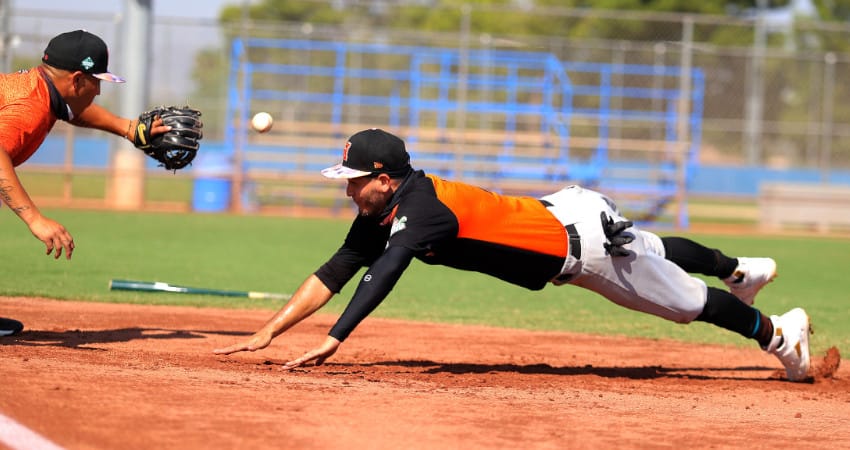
(420, 190)
(420, 202)
(24, 80)
(24, 90)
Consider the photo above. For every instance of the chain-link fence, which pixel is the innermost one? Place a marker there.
(774, 95)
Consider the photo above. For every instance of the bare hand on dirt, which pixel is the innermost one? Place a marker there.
(320, 354)
(258, 341)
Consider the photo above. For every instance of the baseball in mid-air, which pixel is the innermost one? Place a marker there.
(262, 122)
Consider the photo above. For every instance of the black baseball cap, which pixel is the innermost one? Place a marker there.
(371, 152)
(80, 51)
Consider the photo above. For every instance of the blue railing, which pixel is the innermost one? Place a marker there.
(418, 87)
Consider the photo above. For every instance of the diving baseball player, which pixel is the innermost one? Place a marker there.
(574, 236)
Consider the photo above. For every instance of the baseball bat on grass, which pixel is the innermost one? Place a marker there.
(157, 286)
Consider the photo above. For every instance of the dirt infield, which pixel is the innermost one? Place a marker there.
(105, 376)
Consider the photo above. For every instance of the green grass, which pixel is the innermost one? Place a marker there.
(162, 187)
(275, 254)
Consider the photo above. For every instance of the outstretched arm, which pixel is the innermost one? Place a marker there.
(55, 237)
(376, 284)
(310, 296)
(96, 116)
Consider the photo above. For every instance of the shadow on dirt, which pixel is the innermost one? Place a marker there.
(636, 373)
(83, 339)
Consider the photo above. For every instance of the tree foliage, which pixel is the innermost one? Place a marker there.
(718, 24)
(518, 17)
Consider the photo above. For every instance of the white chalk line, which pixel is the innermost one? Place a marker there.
(19, 437)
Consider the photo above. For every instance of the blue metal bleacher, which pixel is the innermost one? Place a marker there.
(495, 117)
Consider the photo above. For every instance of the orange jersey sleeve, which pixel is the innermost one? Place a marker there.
(25, 115)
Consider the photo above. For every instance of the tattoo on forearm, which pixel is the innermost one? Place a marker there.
(6, 196)
(5, 189)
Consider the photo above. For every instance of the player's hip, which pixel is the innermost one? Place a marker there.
(578, 210)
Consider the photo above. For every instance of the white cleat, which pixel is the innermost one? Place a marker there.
(790, 343)
(750, 276)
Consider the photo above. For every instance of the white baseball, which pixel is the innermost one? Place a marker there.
(262, 122)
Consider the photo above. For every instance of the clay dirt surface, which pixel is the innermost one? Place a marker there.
(109, 376)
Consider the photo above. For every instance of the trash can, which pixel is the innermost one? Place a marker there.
(213, 183)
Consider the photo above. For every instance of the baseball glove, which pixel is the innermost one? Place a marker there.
(174, 149)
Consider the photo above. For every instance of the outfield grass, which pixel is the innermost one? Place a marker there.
(160, 187)
(276, 254)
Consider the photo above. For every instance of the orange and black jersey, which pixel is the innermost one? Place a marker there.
(515, 239)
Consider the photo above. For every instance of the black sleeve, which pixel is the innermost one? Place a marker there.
(376, 284)
(365, 242)
(336, 272)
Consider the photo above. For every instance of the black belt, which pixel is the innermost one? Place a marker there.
(575, 239)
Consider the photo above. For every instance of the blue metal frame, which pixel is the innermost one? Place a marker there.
(499, 84)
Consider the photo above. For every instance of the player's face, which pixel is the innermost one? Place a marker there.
(369, 194)
(90, 87)
(86, 88)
